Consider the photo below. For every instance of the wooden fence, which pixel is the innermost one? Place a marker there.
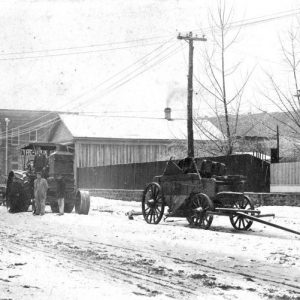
(285, 177)
(135, 176)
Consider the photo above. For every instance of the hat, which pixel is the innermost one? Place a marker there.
(38, 172)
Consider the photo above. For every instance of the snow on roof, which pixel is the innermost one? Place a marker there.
(87, 126)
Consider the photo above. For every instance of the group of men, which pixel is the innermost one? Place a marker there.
(17, 198)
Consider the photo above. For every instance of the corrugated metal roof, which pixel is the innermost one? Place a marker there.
(86, 126)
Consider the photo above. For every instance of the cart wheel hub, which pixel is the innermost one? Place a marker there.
(151, 202)
(199, 210)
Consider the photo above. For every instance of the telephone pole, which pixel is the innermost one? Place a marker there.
(190, 39)
(6, 146)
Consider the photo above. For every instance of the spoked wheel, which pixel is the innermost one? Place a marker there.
(153, 205)
(200, 204)
(239, 222)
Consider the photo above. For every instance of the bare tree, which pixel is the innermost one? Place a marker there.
(223, 95)
(285, 94)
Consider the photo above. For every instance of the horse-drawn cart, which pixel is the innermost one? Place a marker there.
(197, 191)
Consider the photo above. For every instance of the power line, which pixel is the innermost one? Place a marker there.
(38, 126)
(240, 23)
(254, 20)
(55, 120)
(113, 87)
(125, 76)
(268, 19)
(250, 22)
(83, 47)
(75, 53)
(100, 84)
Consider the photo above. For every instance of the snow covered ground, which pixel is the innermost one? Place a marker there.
(105, 255)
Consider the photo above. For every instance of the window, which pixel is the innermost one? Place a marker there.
(33, 136)
(15, 136)
(14, 160)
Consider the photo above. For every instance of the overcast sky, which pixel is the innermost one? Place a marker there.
(119, 56)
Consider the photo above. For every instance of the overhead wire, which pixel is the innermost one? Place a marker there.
(83, 47)
(111, 88)
(251, 21)
(126, 79)
(17, 132)
(148, 55)
(254, 20)
(75, 53)
(232, 25)
(270, 18)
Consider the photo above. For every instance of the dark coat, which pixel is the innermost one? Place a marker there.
(16, 197)
(60, 188)
(40, 162)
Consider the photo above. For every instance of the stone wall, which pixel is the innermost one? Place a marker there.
(117, 194)
(276, 199)
(260, 199)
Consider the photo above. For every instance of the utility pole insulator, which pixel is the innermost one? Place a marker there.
(190, 38)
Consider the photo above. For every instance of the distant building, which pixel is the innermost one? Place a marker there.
(257, 132)
(24, 126)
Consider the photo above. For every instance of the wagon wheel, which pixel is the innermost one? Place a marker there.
(152, 203)
(200, 203)
(239, 222)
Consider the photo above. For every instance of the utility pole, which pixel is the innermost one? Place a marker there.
(190, 39)
(6, 147)
(277, 137)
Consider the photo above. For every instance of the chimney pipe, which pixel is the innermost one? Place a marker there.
(168, 113)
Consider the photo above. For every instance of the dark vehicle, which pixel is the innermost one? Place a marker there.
(3, 190)
(59, 161)
(198, 190)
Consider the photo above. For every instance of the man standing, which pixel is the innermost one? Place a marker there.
(60, 191)
(40, 193)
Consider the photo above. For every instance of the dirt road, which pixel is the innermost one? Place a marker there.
(105, 255)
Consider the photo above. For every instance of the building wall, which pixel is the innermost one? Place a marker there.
(134, 176)
(19, 133)
(285, 177)
(111, 153)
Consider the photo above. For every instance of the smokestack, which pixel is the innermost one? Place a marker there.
(168, 113)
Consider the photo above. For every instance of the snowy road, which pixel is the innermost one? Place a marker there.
(105, 255)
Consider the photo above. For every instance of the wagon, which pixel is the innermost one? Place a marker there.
(198, 190)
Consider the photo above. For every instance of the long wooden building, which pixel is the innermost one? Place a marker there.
(100, 141)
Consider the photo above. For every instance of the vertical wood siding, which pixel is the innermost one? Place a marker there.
(285, 173)
(136, 175)
(92, 155)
